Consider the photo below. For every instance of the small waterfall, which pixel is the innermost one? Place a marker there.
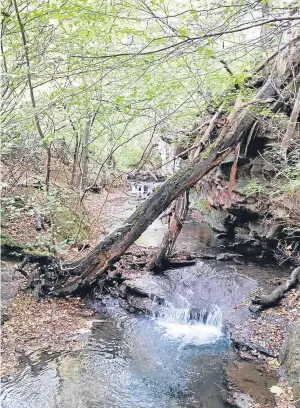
(191, 325)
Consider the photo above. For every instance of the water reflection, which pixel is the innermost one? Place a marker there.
(128, 363)
(194, 236)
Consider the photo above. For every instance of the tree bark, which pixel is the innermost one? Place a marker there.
(75, 158)
(176, 217)
(29, 79)
(85, 156)
(292, 123)
(48, 167)
(265, 8)
(39, 221)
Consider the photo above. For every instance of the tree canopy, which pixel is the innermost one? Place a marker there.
(134, 68)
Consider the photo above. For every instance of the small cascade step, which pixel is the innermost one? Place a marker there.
(190, 325)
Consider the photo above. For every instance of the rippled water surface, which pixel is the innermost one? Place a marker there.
(129, 362)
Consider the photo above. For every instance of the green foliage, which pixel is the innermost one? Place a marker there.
(130, 96)
(287, 181)
(134, 68)
(253, 187)
(64, 226)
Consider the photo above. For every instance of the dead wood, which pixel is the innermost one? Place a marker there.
(80, 275)
(288, 137)
(173, 263)
(274, 297)
(177, 215)
(233, 171)
(286, 94)
(39, 221)
(177, 212)
(197, 149)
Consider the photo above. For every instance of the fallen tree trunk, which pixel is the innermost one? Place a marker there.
(39, 221)
(179, 209)
(80, 275)
(273, 298)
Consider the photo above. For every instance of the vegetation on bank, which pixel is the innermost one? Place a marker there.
(35, 221)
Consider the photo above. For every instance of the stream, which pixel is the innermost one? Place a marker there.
(129, 362)
(171, 358)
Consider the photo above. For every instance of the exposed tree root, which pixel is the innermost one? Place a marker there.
(273, 298)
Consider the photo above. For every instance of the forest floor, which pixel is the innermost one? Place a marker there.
(46, 326)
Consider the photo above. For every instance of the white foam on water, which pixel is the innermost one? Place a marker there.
(191, 327)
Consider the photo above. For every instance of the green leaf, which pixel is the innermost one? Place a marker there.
(83, 33)
(194, 14)
(183, 32)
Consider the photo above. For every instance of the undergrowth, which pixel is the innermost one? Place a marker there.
(63, 225)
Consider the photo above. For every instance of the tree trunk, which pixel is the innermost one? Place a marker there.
(176, 219)
(265, 9)
(87, 270)
(145, 157)
(48, 167)
(179, 208)
(85, 156)
(75, 158)
(31, 93)
(292, 123)
(278, 293)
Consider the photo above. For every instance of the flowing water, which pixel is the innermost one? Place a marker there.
(172, 358)
(196, 327)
